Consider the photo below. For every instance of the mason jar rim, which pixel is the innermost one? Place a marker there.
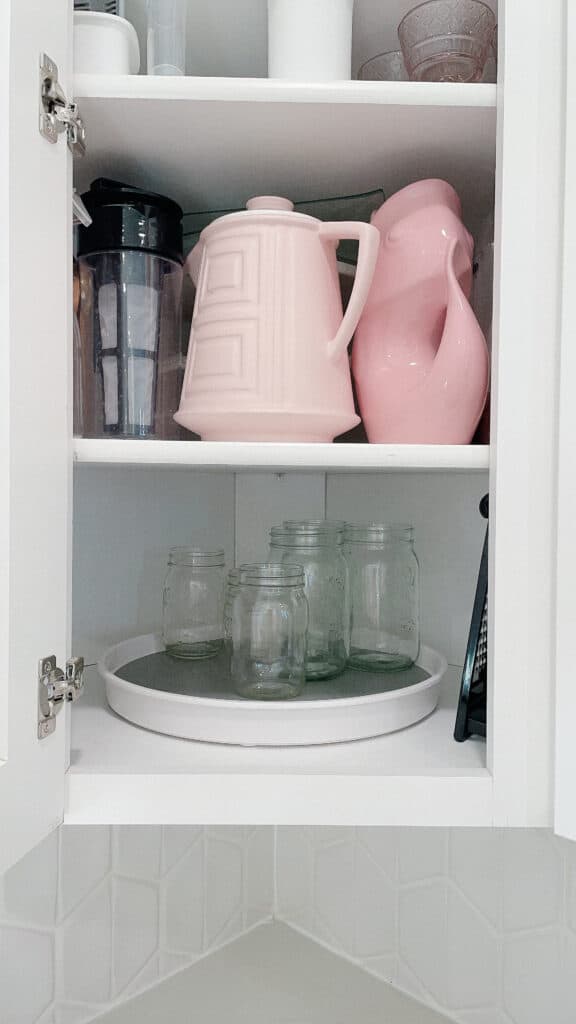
(309, 525)
(196, 557)
(366, 533)
(271, 574)
(317, 537)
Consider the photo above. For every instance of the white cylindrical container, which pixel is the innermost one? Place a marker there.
(166, 40)
(310, 40)
(104, 44)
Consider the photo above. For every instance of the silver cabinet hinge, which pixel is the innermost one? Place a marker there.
(57, 115)
(56, 688)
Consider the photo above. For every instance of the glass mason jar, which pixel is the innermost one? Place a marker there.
(269, 622)
(317, 549)
(384, 596)
(193, 603)
(231, 591)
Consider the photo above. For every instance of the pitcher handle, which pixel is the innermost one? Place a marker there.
(462, 355)
(369, 238)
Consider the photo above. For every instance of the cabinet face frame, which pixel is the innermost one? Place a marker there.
(565, 749)
(35, 414)
(523, 453)
(35, 509)
(527, 281)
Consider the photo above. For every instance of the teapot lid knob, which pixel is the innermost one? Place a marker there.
(269, 203)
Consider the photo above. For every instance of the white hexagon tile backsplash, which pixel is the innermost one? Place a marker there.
(95, 914)
(478, 923)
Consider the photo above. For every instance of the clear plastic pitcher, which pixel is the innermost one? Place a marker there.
(130, 269)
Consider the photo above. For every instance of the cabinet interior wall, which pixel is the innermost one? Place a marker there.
(208, 45)
(125, 520)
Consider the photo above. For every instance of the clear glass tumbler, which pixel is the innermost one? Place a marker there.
(317, 547)
(384, 596)
(269, 623)
(166, 37)
(447, 40)
(193, 603)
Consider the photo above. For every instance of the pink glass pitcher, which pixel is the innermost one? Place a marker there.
(420, 360)
(268, 346)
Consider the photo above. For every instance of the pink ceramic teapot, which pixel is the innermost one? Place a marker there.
(420, 360)
(268, 346)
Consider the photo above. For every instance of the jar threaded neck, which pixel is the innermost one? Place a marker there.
(318, 536)
(199, 558)
(336, 526)
(378, 533)
(271, 574)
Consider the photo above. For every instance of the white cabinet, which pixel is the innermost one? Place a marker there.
(210, 142)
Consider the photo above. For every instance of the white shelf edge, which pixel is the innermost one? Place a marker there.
(258, 90)
(307, 799)
(121, 774)
(228, 455)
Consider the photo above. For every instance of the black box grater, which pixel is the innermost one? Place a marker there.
(471, 710)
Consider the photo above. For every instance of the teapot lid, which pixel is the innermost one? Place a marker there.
(270, 203)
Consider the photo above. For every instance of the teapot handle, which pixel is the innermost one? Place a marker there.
(369, 239)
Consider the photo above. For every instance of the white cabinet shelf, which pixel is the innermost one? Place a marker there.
(418, 776)
(211, 143)
(240, 455)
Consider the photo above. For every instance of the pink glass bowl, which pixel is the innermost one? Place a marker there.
(447, 40)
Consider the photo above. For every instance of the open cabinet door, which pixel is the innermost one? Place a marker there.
(35, 408)
(565, 789)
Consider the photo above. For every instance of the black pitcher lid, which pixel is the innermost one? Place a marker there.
(126, 217)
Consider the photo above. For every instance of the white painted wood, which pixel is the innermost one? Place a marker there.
(125, 521)
(204, 714)
(449, 534)
(243, 51)
(376, 135)
(420, 776)
(230, 455)
(274, 973)
(264, 500)
(565, 761)
(35, 304)
(120, 88)
(382, 135)
(525, 353)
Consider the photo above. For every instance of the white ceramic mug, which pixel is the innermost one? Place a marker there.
(310, 40)
(104, 44)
